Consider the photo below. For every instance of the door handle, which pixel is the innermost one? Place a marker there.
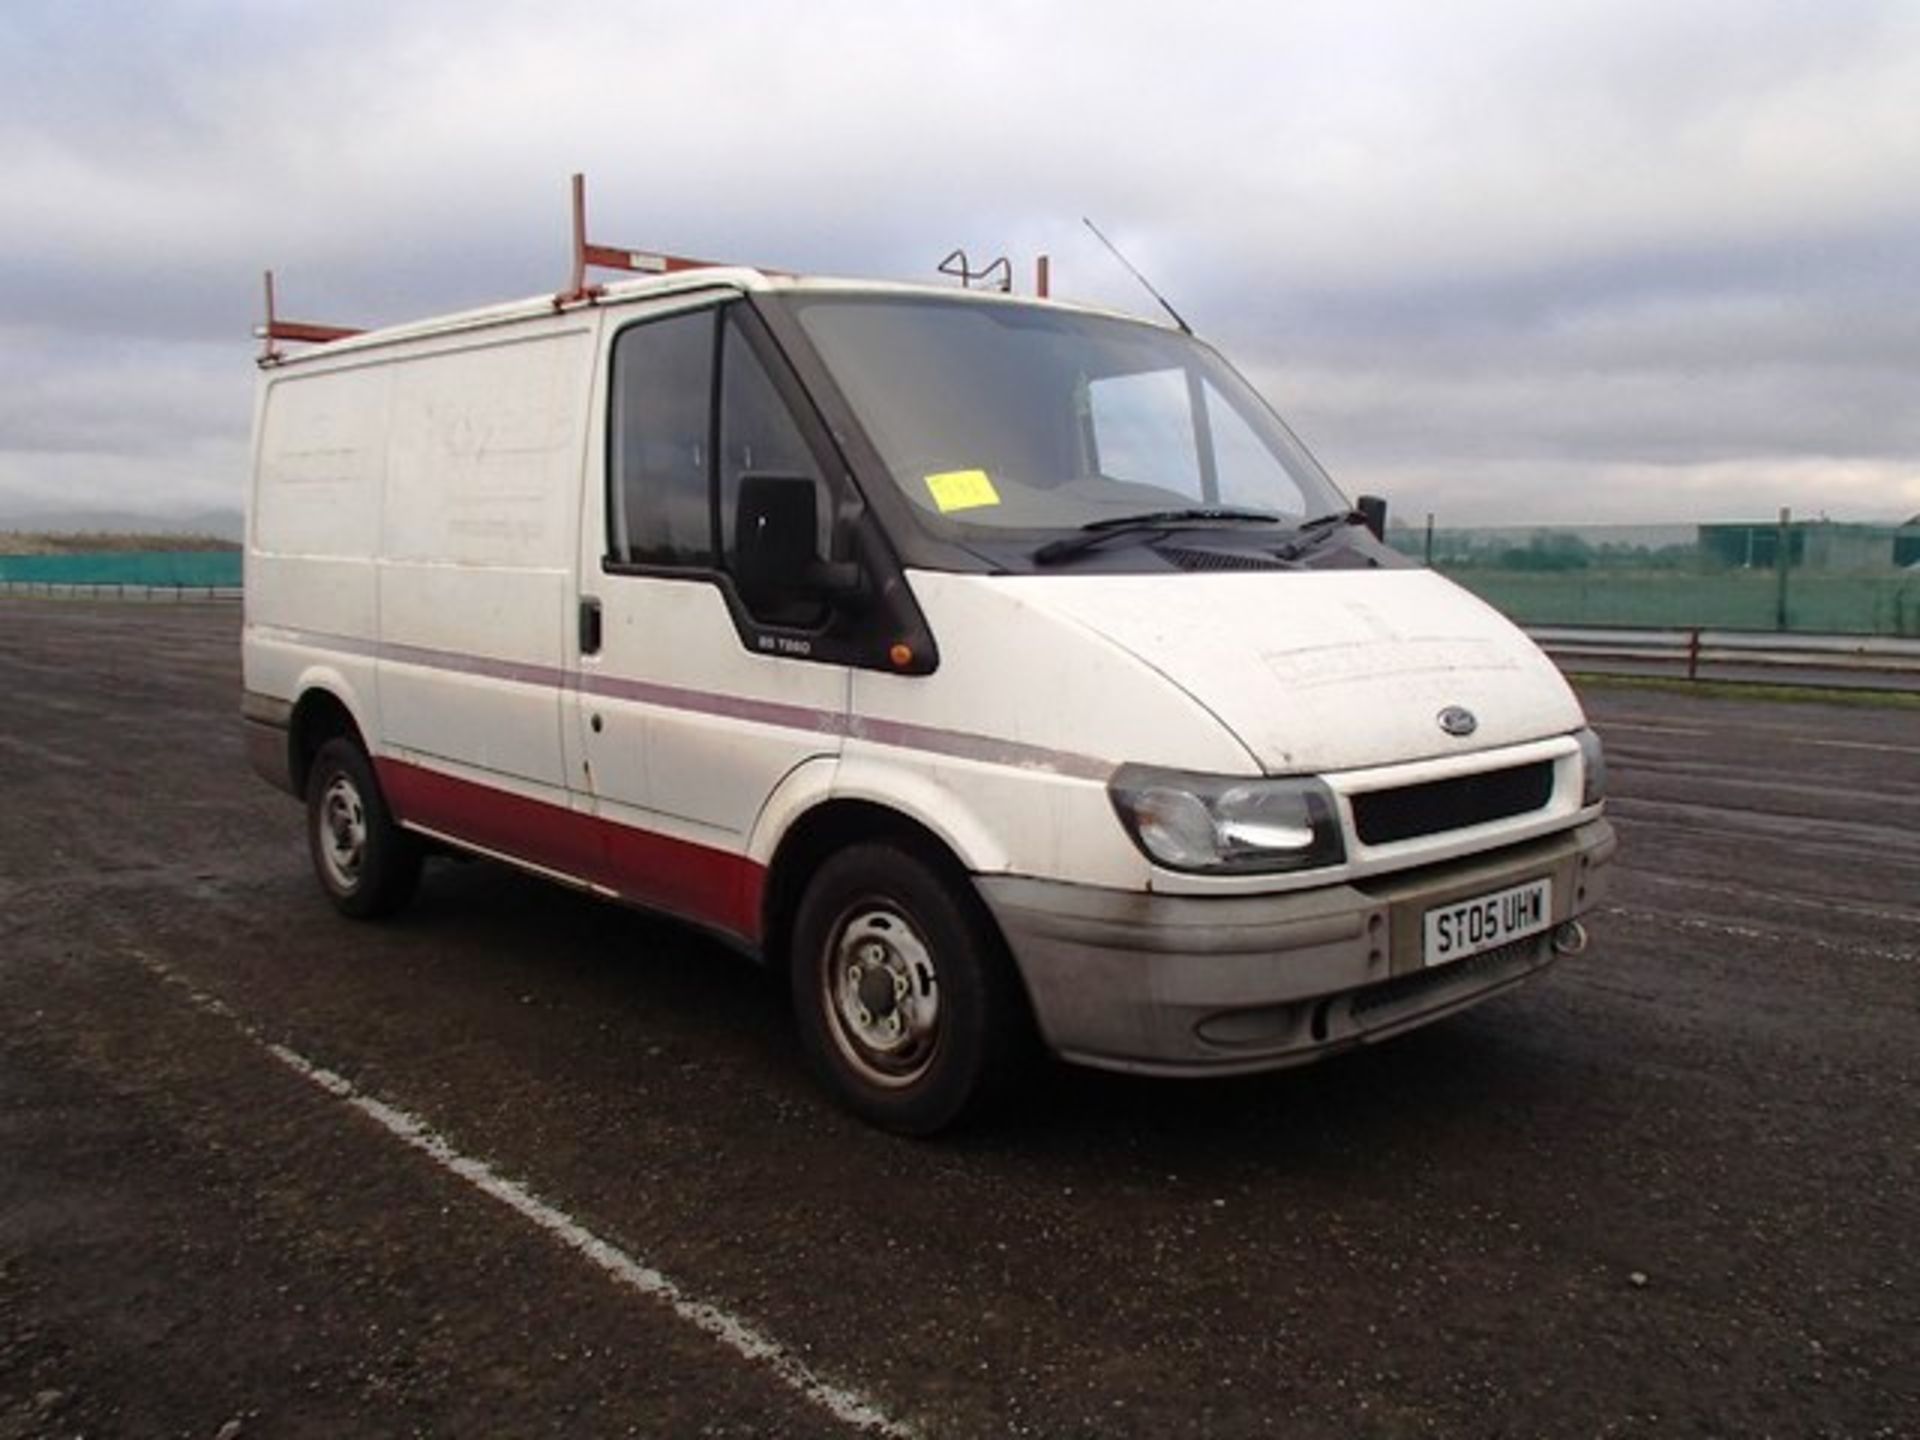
(589, 625)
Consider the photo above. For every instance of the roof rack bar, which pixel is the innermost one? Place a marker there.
(313, 334)
(1043, 276)
(586, 254)
(578, 289)
(300, 330)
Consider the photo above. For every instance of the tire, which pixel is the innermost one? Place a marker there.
(906, 999)
(367, 865)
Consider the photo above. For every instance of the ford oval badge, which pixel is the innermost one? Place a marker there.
(1458, 720)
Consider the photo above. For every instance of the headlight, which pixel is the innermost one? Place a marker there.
(1593, 767)
(1228, 823)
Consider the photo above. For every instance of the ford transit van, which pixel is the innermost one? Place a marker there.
(996, 668)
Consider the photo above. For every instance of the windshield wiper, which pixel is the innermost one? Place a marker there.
(1311, 534)
(1098, 532)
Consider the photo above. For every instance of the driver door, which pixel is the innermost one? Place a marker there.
(686, 719)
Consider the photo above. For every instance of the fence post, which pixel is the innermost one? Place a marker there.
(1429, 539)
(1693, 655)
(1781, 552)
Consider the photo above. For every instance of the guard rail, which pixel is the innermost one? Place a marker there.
(1851, 661)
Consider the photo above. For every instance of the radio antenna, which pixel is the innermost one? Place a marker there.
(1147, 284)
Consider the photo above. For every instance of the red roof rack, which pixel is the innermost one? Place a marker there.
(278, 329)
(608, 257)
(588, 255)
(585, 254)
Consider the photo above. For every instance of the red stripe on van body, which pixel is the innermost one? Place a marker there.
(710, 886)
(547, 835)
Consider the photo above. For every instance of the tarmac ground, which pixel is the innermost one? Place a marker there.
(523, 1163)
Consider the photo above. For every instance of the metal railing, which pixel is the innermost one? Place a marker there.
(118, 590)
(1696, 653)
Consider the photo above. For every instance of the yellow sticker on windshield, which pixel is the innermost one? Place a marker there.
(962, 490)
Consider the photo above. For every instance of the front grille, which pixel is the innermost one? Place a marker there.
(1384, 816)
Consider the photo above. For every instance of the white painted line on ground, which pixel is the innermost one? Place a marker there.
(1860, 745)
(1747, 894)
(740, 1336)
(1606, 725)
(1747, 932)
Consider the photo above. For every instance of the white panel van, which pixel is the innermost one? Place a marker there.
(996, 668)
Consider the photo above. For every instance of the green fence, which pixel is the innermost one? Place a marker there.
(1815, 604)
(1814, 577)
(181, 569)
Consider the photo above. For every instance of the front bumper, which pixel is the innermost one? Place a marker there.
(1185, 985)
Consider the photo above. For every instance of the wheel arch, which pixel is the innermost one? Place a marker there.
(820, 831)
(828, 827)
(319, 715)
(996, 1034)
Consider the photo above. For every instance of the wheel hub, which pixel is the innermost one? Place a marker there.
(876, 987)
(343, 832)
(884, 996)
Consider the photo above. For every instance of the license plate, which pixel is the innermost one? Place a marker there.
(1486, 922)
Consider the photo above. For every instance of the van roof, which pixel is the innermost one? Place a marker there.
(734, 277)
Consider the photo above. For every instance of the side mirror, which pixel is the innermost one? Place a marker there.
(776, 556)
(1373, 510)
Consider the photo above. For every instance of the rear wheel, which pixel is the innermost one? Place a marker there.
(905, 997)
(367, 864)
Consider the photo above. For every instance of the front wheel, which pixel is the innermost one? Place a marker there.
(905, 997)
(365, 862)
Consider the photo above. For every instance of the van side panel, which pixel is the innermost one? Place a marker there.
(322, 459)
(313, 533)
(475, 582)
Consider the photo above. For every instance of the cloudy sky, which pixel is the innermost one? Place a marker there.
(1615, 261)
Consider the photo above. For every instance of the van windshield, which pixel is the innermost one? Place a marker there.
(999, 417)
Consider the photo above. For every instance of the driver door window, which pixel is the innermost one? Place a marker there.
(759, 434)
(676, 462)
(660, 511)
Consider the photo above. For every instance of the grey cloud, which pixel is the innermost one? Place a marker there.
(79, 394)
(1468, 246)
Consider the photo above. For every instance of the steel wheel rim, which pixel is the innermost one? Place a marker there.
(881, 994)
(341, 832)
